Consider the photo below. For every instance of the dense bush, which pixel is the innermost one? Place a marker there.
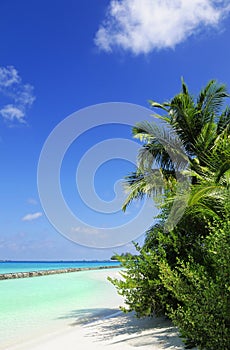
(203, 292)
(195, 295)
(142, 287)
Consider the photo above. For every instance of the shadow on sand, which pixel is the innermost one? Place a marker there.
(115, 327)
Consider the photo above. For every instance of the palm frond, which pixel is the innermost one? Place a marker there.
(224, 168)
(211, 99)
(184, 119)
(203, 192)
(139, 184)
(206, 138)
(154, 153)
(224, 121)
(163, 106)
(162, 146)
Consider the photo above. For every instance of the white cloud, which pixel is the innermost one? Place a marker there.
(8, 76)
(29, 217)
(11, 113)
(24, 95)
(141, 26)
(21, 95)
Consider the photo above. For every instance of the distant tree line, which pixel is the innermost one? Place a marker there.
(122, 256)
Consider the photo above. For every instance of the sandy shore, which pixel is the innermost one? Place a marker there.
(116, 332)
(108, 328)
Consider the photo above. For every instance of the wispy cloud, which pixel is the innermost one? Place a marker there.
(32, 201)
(20, 95)
(30, 217)
(86, 230)
(147, 25)
(11, 112)
(8, 76)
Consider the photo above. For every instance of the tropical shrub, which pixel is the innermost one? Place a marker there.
(203, 292)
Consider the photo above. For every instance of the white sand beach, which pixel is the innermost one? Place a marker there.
(115, 333)
(107, 328)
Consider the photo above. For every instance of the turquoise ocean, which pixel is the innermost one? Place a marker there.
(30, 307)
(24, 266)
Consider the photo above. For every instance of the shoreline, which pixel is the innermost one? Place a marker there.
(96, 323)
(38, 273)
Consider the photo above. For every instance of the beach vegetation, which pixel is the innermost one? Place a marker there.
(182, 271)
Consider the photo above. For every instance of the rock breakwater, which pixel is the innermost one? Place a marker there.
(13, 275)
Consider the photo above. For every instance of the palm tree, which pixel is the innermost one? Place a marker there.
(195, 125)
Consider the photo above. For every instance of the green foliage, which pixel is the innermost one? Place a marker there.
(201, 126)
(184, 272)
(141, 286)
(203, 292)
(185, 278)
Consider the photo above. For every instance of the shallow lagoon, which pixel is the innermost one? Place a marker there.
(35, 306)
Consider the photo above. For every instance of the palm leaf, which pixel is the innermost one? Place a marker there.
(224, 121)
(211, 99)
(140, 184)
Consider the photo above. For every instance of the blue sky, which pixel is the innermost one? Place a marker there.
(57, 57)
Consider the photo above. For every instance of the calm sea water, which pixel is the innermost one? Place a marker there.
(31, 307)
(25, 266)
